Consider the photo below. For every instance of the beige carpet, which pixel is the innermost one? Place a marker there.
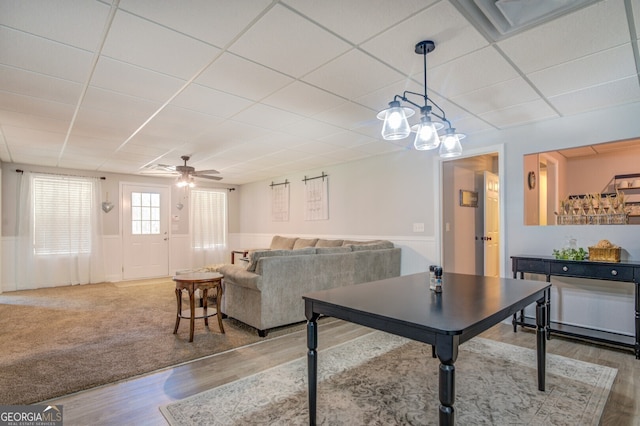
(381, 379)
(61, 340)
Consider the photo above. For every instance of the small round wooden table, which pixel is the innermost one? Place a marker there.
(203, 281)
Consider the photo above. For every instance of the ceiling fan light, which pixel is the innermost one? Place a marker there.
(450, 146)
(426, 134)
(395, 124)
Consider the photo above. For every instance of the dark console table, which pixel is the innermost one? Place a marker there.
(549, 266)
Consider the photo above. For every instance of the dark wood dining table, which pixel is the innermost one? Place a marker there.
(467, 306)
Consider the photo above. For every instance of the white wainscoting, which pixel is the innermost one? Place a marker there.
(8, 264)
(179, 258)
(179, 253)
(112, 251)
(417, 252)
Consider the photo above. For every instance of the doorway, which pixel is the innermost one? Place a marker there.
(470, 232)
(145, 231)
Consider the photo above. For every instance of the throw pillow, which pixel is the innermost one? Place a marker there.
(304, 242)
(282, 243)
(328, 243)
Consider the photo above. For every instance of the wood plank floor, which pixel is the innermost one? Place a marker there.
(136, 401)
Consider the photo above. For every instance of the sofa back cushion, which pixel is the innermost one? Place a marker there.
(375, 246)
(282, 243)
(329, 243)
(254, 256)
(304, 243)
(333, 250)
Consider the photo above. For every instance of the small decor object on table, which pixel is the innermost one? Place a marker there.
(604, 251)
(570, 254)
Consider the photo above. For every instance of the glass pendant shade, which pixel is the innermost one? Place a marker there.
(427, 134)
(395, 124)
(450, 146)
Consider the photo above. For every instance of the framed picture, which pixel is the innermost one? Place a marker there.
(468, 198)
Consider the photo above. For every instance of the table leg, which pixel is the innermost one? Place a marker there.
(179, 310)
(541, 340)
(192, 305)
(637, 345)
(312, 365)
(205, 304)
(447, 352)
(218, 311)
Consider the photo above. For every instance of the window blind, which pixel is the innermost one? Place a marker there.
(61, 214)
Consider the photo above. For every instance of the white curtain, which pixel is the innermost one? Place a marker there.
(58, 257)
(208, 219)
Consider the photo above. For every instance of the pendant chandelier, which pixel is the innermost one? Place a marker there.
(396, 126)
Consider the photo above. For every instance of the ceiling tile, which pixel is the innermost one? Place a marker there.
(118, 103)
(35, 85)
(233, 74)
(600, 26)
(304, 99)
(349, 115)
(44, 57)
(52, 19)
(20, 119)
(286, 42)
(347, 140)
(268, 117)
(216, 22)
(20, 138)
(519, 114)
(611, 64)
(311, 129)
(148, 45)
(345, 17)
(181, 124)
(210, 101)
(455, 77)
(346, 75)
(92, 122)
(498, 96)
(441, 23)
(602, 96)
(132, 80)
(36, 108)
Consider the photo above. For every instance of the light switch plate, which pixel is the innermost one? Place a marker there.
(418, 227)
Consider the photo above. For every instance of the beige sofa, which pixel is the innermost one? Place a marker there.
(267, 292)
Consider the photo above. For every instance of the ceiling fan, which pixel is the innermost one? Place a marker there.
(186, 174)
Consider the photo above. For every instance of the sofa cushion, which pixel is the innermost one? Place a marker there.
(282, 243)
(254, 256)
(376, 246)
(328, 243)
(332, 250)
(304, 242)
(300, 252)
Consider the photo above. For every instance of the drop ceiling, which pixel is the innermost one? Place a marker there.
(258, 89)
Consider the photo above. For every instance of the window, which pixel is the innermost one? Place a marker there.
(62, 210)
(208, 219)
(145, 213)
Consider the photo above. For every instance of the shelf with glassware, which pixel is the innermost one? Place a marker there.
(617, 204)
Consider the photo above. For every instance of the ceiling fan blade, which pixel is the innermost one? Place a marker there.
(206, 172)
(208, 177)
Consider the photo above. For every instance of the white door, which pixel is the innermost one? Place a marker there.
(145, 231)
(491, 225)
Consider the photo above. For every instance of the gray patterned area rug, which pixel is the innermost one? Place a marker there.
(382, 379)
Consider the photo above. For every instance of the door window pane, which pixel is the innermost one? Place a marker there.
(145, 213)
